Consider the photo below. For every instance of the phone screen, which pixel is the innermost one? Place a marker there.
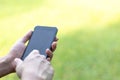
(41, 39)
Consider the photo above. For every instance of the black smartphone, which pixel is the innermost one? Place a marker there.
(41, 39)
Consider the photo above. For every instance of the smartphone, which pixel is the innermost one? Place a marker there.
(41, 39)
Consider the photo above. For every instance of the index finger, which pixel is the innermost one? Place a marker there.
(26, 37)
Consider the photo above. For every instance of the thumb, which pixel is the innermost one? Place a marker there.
(18, 68)
(17, 61)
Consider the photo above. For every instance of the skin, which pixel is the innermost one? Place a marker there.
(7, 62)
(39, 68)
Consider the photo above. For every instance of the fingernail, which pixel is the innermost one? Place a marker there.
(35, 50)
(16, 60)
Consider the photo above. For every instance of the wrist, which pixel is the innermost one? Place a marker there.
(5, 66)
(8, 62)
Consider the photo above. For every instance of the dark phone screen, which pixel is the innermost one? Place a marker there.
(41, 39)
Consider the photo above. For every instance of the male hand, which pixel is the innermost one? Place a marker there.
(34, 67)
(17, 52)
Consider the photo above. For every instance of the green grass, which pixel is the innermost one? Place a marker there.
(89, 54)
(88, 46)
(15, 7)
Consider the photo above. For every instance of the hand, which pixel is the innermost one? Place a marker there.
(6, 62)
(17, 51)
(34, 67)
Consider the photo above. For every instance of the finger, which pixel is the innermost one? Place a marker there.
(53, 47)
(32, 54)
(26, 37)
(17, 61)
(49, 54)
(42, 56)
(45, 62)
(48, 59)
(18, 69)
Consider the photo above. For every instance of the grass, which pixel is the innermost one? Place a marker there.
(12, 8)
(92, 54)
(88, 47)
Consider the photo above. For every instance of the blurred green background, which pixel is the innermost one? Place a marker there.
(89, 41)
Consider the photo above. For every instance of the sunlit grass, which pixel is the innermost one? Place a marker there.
(63, 14)
(73, 14)
(89, 54)
(81, 25)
